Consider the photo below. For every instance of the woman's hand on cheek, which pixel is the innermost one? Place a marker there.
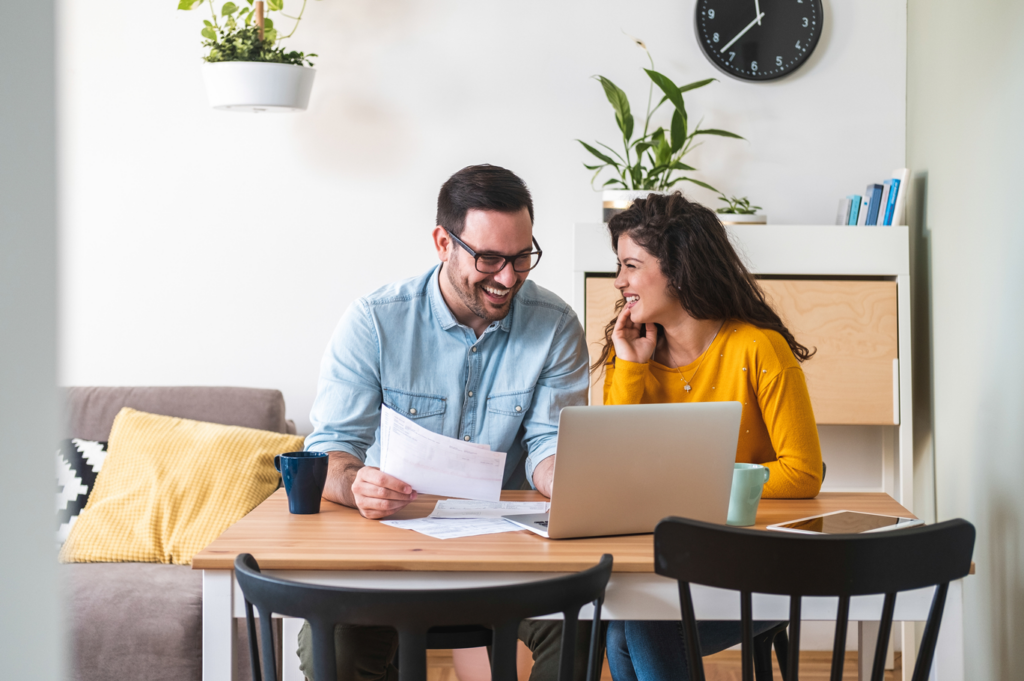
(629, 344)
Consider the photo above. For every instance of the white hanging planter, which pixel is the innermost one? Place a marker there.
(258, 86)
(741, 219)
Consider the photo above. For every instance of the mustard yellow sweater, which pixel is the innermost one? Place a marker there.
(752, 366)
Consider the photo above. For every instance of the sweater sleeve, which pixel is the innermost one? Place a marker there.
(624, 382)
(786, 408)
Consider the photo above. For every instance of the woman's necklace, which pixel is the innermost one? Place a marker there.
(686, 383)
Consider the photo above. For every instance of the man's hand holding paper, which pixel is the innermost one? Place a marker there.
(434, 464)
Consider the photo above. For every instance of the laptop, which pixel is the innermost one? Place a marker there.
(621, 469)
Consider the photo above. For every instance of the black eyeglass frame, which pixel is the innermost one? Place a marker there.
(507, 259)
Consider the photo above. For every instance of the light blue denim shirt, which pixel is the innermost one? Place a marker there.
(402, 346)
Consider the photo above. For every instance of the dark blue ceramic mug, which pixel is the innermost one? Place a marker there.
(305, 474)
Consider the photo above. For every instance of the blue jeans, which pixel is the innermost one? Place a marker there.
(655, 651)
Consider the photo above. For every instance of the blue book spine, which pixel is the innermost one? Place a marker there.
(891, 203)
(854, 209)
(875, 192)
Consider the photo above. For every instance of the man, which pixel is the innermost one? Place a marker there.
(471, 350)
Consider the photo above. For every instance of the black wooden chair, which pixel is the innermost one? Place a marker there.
(413, 612)
(752, 561)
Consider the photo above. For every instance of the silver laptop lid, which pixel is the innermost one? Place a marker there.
(621, 469)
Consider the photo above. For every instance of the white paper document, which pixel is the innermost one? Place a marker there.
(463, 508)
(442, 528)
(435, 464)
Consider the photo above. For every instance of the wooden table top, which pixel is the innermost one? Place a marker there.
(338, 538)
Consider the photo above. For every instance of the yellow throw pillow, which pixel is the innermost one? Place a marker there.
(170, 486)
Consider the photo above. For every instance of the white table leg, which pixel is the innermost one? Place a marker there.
(289, 649)
(909, 649)
(948, 664)
(218, 625)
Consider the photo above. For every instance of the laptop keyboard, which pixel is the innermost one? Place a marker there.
(542, 523)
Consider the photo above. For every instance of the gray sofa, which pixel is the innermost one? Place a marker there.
(134, 621)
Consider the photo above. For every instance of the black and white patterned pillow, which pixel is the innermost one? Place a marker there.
(78, 462)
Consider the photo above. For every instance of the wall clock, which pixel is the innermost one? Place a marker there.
(758, 39)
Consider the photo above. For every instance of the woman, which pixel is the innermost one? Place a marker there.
(693, 326)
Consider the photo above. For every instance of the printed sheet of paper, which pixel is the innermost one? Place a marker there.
(441, 528)
(463, 508)
(435, 464)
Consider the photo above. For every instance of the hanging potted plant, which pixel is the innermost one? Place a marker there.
(738, 211)
(653, 160)
(246, 69)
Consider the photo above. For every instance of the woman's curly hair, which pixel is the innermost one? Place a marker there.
(704, 272)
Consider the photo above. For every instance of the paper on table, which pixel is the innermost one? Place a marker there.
(441, 528)
(435, 464)
(461, 508)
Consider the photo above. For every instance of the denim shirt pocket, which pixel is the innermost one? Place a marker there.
(505, 412)
(426, 410)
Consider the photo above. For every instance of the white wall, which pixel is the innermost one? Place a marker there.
(202, 247)
(30, 637)
(965, 94)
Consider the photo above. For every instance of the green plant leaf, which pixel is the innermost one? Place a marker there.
(720, 133)
(614, 153)
(206, 22)
(607, 159)
(209, 33)
(620, 103)
(268, 23)
(189, 4)
(699, 183)
(275, 5)
(670, 89)
(270, 35)
(696, 84)
(678, 131)
(679, 165)
(615, 180)
(228, 9)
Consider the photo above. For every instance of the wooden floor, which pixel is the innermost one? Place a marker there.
(814, 666)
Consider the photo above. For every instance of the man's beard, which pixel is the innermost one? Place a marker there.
(472, 296)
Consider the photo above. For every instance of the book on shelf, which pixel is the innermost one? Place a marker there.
(854, 209)
(843, 216)
(899, 216)
(862, 215)
(873, 197)
(891, 204)
(883, 202)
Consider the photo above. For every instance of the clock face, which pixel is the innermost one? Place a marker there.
(758, 39)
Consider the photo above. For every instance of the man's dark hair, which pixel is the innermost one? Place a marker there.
(483, 187)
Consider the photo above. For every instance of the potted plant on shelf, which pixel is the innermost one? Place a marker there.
(652, 161)
(246, 69)
(738, 211)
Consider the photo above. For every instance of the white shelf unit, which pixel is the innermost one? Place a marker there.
(826, 251)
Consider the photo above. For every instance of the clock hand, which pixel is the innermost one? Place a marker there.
(739, 35)
(757, 10)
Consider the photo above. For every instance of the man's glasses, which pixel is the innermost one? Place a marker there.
(492, 264)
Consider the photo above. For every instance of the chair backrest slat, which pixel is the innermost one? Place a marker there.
(747, 634)
(254, 657)
(882, 642)
(839, 643)
(795, 565)
(693, 660)
(267, 632)
(594, 659)
(793, 654)
(412, 612)
(931, 634)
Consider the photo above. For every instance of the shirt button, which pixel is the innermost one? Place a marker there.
(473, 348)
(412, 411)
(470, 393)
(518, 408)
(466, 438)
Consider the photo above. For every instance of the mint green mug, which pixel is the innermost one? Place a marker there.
(747, 483)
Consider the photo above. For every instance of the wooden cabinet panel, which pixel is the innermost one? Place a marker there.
(601, 298)
(851, 322)
(853, 325)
